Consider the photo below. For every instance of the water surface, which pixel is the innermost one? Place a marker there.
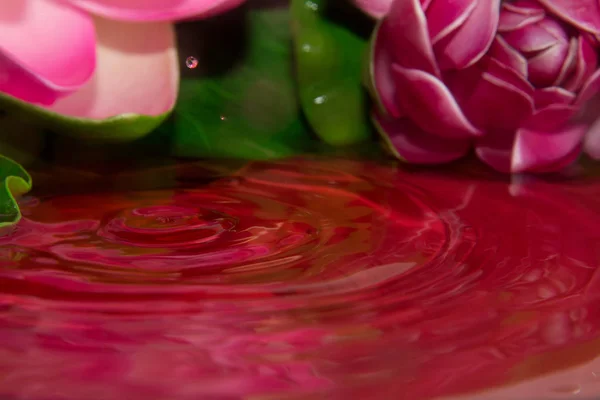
(305, 279)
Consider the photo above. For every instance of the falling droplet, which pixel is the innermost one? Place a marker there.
(191, 62)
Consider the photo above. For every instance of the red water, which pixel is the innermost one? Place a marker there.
(305, 279)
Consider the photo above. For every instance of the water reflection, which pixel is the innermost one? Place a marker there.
(306, 278)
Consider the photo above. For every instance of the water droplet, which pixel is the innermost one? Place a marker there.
(320, 99)
(191, 62)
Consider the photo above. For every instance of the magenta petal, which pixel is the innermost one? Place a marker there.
(406, 27)
(544, 69)
(494, 97)
(551, 118)
(415, 146)
(495, 150)
(544, 152)
(155, 10)
(585, 14)
(586, 63)
(444, 17)
(505, 54)
(429, 103)
(537, 37)
(552, 95)
(569, 64)
(466, 45)
(592, 141)
(589, 89)
(381, 73)
(513, 18)
(375, 8)
(41, 61)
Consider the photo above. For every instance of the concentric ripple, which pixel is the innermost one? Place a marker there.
(305, 278)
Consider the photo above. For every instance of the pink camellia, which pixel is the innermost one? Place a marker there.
(95, 58)
(508, 78)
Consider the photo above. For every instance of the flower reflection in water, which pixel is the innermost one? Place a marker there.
(305, 278)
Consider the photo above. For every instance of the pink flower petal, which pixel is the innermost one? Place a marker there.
(375, 8)
(467, 44)
(513, 17)
(430, 105)
(585, 14)
(591, 143)
(539, 151)
(411, 144)
(494, 97)
(495, 149)
(586, 63)
(505, 54)
(444, 18)
(155, 10)
(407, 31)
(589, 89)
(137, 72)
(550, 118)
(569, 64)
(537, 37)
(545, 67)
(552, 95)
(381, 73)
(42, 61)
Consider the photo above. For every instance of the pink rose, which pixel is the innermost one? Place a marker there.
(95, 58)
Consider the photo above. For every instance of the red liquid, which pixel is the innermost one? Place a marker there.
(304, 279)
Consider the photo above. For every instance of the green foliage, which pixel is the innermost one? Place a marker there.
(329, 70)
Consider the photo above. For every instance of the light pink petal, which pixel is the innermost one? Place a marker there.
(505, 54)
(381, 73)
(375, 8)
(539, 151)
(137, 72)
(584, 14)
(513, 17)
(467, 44)
(494, 97)
(415, 146)
(430, 105)
(586, 63)
(552, 95)
(445, 17)
(47, 50)
(155, 10)
(544, 68)
(407, 31)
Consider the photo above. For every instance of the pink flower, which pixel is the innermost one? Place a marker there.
(507, 78)
(95, 58)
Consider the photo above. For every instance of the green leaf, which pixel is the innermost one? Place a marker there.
(15, 181)
(247, 110)
(329, 70)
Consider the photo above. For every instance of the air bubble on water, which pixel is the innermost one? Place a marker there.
(191, 62)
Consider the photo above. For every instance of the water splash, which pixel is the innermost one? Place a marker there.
(303, 278)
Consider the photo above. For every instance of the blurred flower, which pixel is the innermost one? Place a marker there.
(508, 78)
(95, 58)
